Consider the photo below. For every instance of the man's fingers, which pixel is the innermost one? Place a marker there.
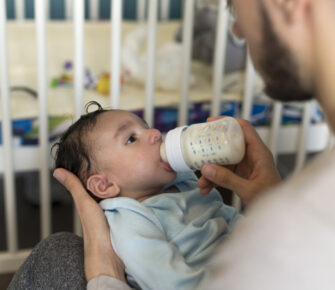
(69, 180)
(251, 136)
(211, 119)
(206, 190)
(72, 183)
(205, 185)
(203, 182)
(224, 177)
(91, 215)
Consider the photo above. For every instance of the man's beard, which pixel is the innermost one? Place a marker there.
(279, 68)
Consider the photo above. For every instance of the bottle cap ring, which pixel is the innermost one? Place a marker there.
(173, 150)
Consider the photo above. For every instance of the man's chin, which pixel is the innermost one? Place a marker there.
(279, 67)
(287, 94)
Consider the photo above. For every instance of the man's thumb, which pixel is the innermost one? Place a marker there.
(223, 177)
(59, 175)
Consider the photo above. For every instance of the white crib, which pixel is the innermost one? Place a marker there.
(301, 138)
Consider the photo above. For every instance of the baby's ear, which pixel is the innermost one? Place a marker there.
(101, 187)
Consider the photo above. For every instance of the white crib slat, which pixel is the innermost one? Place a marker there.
(219, 57)
(46, 8)
(40, 19)
(94, 13)
(331, 138)
(10, 262)
(275, 127)
(302, 139)
(140, 9)
(151, 53)
(249, 89)
(19, 10)
(10, 197)
(116, 23)
(78, 76)
(165, 9)
(187, 55)
(69, 9)
(79, 56)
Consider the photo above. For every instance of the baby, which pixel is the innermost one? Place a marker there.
(161, 227)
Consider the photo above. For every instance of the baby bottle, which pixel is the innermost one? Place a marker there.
(187, 148)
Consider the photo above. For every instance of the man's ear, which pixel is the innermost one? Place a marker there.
(101, 187)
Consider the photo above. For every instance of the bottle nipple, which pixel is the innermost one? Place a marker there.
(162, 151)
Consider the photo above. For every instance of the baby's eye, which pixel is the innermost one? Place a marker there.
(131, 139)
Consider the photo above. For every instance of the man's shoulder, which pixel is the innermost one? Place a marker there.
(289, 227)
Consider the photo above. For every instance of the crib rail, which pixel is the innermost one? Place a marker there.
(278, 139)
(43, 119)
(94, 8)
(10, 210)
(79, 76)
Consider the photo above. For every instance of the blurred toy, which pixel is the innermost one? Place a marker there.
(66, 78)
(103, 84)
(91, 81)
(63, 80)
(68, 65)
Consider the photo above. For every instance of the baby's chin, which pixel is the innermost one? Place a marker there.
(174, 176)
(169, 177)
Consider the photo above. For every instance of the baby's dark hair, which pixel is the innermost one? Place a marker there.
(72, 150)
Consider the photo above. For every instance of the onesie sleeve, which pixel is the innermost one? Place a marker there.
(151, 261)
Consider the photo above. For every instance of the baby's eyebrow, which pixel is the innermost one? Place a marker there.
(122, 128)
(145, 123)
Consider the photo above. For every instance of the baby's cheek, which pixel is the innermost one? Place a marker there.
(147, 169)
(140, 165)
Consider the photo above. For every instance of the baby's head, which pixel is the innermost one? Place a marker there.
(114, 153)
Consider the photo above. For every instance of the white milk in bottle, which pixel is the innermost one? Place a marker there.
(187, 148)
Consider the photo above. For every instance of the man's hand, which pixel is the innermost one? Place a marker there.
(100, 258)
(255, 173)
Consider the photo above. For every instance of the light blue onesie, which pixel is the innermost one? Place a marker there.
(166, 241)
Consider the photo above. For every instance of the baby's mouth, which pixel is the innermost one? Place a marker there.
(167, 165)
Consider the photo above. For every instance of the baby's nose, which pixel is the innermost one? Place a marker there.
(155, 136)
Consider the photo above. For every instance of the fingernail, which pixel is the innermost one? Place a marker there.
(59, 176)
(209, 171)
